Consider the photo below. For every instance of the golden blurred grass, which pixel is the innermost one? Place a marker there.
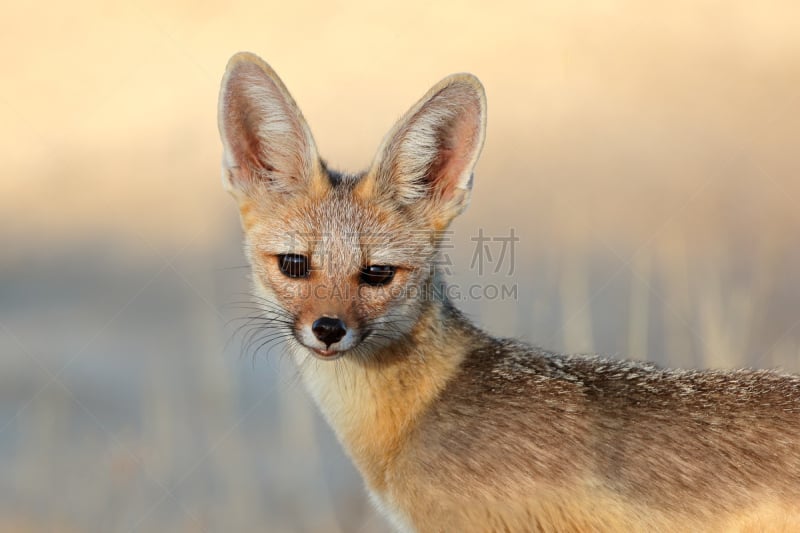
(645, 154)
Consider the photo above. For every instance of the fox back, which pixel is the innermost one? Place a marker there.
(452, 429)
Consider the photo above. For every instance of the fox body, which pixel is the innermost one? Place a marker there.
(452, 429)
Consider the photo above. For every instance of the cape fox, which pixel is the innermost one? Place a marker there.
(452, 429)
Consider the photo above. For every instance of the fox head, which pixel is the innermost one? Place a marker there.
(345, 262)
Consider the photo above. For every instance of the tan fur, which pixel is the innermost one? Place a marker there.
(452, 429)
(383, 399)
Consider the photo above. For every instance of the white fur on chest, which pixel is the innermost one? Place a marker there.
(399, 522)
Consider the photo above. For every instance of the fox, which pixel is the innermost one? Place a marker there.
(452, 429)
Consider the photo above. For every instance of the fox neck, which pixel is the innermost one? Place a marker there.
(373, 404)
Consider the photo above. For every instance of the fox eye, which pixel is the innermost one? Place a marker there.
(294, 265)
(376, 275)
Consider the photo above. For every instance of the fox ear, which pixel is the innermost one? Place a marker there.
(265, 137)
(429, 155)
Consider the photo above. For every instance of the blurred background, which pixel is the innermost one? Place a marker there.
(644, 154)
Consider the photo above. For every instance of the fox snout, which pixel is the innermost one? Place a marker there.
(328, 337)
(329, 330)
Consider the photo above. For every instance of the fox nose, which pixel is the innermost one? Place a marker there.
(328, 330)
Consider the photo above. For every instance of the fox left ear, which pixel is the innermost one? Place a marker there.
(266, 140)
(429, 155)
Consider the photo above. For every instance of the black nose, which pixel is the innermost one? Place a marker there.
(328, 330)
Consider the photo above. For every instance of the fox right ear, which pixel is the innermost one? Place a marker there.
(266, 140)
(428, 157)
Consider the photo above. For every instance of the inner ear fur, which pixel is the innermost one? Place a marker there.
(429, 156)
(266, 140)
